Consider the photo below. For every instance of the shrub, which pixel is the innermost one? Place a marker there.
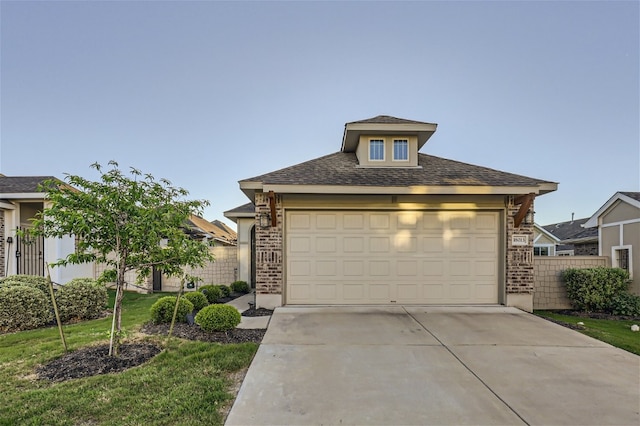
(162, 309)
(26, 280)
(212, 292)
(23, 308)
(625, 304)
(593, 289)
(240, 287)
(81, 298)
(218, 318)
(198, 299)
(225, 289)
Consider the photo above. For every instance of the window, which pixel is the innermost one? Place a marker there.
(401, 149)
(622, 258)
(541, 251)
(376, 150)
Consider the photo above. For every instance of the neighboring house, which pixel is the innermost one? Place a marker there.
(20, 200)
(216, 232)
(574, 239)
(245, 218)
(381, 223)
(544, 242)
(617, 224)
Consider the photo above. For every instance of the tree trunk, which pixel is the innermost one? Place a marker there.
(116, 325)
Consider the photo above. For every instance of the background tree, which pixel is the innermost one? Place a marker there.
(127, 222)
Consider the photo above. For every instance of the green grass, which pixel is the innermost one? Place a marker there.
(615, 332)
(186, 384)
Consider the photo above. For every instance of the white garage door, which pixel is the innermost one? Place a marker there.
(381, 257)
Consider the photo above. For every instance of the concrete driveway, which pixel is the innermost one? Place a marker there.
(433, 365)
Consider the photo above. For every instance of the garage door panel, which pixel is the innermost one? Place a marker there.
(434, 257)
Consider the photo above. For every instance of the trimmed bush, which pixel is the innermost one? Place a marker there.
(240, 287)
(162, 310)
(625, 304)
(212, 292)
(593, 289)
(81, 299)
(23, 308)
(27, 280)
(218, 318)
(225, 289)
(198, 299)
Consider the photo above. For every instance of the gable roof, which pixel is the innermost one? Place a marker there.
(218, 232)
(572, 231)
(387, 119)
(632, 198)
(245, 210)
(434, 175)
(545, 233)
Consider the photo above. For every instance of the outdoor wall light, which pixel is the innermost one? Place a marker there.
(264, 220)
(528, 219)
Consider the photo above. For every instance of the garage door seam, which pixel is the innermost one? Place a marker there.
(467, 367)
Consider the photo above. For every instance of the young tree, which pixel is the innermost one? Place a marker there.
(125, 222)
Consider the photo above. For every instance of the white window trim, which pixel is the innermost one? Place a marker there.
(384, 149)
(614, 261)
(393, 147)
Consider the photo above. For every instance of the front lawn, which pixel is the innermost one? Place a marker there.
(189, 383)
(613, 331)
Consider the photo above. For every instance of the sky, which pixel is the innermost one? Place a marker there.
(208, 93)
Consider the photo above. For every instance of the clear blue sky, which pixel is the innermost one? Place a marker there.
(209, 93)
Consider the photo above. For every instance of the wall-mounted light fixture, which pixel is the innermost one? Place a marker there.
(264, 220)
(528, 219)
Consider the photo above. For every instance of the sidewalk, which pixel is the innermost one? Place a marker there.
(242, 304)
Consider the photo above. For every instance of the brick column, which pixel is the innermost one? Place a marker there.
(269, 254)
(519, 262)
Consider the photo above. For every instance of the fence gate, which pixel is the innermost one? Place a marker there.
(30, 254)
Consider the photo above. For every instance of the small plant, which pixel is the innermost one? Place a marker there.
(626, 304)
(23, 308)
(212, 292)
(198, 299)
(240, 287)
(593, 289)
(82, 299)
(162, 310)
(27, 280)
(218, 318)
(225, 289)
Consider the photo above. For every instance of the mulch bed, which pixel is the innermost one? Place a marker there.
(260, 312)
(193, 332)
(95, 360)
(596, 315)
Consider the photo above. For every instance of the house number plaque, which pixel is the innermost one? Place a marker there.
(519, 240)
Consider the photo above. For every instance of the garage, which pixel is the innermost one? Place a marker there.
(382, 257)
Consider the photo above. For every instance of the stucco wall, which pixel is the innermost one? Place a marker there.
(221, 271)
(548, 289)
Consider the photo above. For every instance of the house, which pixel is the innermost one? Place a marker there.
(216, 231)
(544, 242)
(618, 228)
(381, 223)
(574, 239)
(20, 200)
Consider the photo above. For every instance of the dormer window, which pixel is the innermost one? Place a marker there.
(376, 150)
(400, 150)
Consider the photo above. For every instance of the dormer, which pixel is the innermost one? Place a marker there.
(385, 141)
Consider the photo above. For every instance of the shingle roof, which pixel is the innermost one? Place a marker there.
(387, 119)
(634, 195)
(571, 230)
(21, 184)
(341, 168)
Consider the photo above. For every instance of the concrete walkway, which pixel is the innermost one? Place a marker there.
(433, 365)
(242, 304)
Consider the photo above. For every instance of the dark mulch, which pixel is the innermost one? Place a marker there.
(194, 332)
(260, 312)
(596, 315)
(94, 360)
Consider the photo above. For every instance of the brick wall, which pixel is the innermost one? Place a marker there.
(519, 259)
(549, 290)
(269, 245)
